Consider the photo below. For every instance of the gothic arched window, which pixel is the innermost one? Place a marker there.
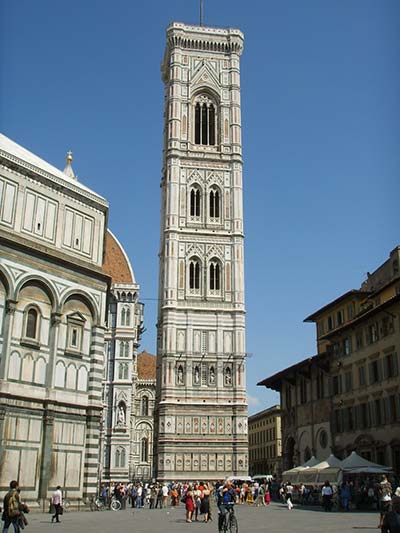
(123, 316)
(215, 276)
(127, 349)
(145, 406)
(204, 121)
(31, 324)
(144, 451)
(214, 198)
(122, 457)
(128, 317)
(195, 202)
(194, 274)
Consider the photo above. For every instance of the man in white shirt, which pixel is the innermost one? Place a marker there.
(56, 500)
(164, 496)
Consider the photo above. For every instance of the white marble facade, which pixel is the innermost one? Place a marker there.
(201, 381)
(52, 310)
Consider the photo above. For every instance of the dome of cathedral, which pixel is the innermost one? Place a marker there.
(146, 366)
(116, 263)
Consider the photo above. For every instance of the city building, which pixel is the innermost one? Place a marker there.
(53, 295)
(352, 385)
(305, 409)
(265, 442)
(201, 382)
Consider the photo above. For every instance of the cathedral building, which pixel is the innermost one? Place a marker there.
(53, 300)
(201, 381)
(129, 378)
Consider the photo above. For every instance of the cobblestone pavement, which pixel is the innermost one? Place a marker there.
(275, 518)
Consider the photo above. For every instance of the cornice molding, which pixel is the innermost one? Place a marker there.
(15, 163)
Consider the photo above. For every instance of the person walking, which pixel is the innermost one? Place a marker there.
(327, 493)
(289, 495)
(197, 496)
(164, 496)
(205, 503)
(56, 501)
(345, 495)
(159, 497)
(11, 508)
(189, 504)
(391, 520)
(385, 498)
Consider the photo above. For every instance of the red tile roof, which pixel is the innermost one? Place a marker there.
(115, 262)
(146, 366)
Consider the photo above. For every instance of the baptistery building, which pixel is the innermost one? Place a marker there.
(53, 301)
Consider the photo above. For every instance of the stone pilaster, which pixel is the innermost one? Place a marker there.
(11, 306)
(47, 445)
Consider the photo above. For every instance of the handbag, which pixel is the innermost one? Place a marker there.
(61, 510)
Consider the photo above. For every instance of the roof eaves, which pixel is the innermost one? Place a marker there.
(353, 292)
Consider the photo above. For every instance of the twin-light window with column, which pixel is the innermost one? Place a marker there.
(204, 121)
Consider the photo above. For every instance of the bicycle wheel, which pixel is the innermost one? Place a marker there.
(233, 524)
(115, 505)
(99, 505)
(65, 505)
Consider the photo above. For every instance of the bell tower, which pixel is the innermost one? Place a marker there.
(201, 409)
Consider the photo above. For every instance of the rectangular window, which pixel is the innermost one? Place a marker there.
(392, 409)
(339, 318)
(347, 346)
(391, 366)
(374, 373)
(350, 419)
(337, 384)
(361, 376)
(387, 326)
(359, 340)
(364, 416)
(350, 311)
(330, 323)
(372, 333)
(337, 419)
(348, 381)
(378, 412)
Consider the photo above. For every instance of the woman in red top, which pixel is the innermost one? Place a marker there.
(189, 504)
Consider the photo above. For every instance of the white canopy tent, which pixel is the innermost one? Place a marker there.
(354, 463)
(330, 462)
(316, 472)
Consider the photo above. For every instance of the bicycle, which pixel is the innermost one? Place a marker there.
(65, 505)
(96, 504)
(230, 520)
(115, 504)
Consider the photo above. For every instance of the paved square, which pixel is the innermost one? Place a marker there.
(275, 518)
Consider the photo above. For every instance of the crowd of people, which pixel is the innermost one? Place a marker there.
(197, 498)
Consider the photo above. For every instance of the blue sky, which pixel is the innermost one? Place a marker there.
(321, 132)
